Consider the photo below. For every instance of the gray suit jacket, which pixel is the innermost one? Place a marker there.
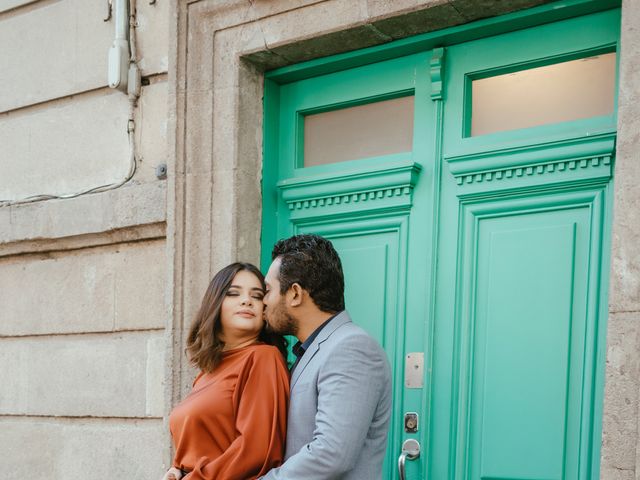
(339, 409)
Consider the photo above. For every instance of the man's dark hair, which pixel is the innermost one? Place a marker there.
(313, 263)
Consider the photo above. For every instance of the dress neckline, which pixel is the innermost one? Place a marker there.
(240, 349)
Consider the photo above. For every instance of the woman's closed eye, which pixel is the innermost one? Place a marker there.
(254, 295)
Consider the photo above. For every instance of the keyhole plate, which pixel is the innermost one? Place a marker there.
(411, 422)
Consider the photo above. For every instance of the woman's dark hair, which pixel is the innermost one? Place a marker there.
(313, 263)
(204, 347)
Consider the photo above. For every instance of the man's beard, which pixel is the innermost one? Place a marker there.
(283, 324)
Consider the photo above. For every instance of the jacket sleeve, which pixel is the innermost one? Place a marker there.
(353, 381)
(262, 398)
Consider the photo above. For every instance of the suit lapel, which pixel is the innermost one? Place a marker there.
(327, 331)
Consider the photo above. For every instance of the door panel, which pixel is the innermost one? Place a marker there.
(521, 352)
(529, 322)
(372, 257)
(365, 206)
(528, 303)
(370, 260)
(370, 295)
(526, 336)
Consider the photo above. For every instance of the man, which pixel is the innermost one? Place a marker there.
(340, 382)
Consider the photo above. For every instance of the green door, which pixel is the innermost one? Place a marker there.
(474, 244)
(376, 210)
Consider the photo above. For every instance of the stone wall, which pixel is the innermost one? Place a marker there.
(83, 281)
(621, 430)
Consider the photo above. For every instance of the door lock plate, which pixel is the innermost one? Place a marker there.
(411, 422)
(414, 370)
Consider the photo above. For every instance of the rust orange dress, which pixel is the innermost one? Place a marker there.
(232, 426)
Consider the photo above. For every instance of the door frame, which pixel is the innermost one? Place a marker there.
(431, 41)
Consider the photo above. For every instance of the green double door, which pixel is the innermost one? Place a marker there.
(474, 244)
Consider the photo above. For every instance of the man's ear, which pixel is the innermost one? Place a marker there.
(296, 294)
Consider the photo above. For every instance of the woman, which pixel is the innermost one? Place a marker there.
(232, 426)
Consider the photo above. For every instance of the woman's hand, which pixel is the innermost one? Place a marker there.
(172, 474)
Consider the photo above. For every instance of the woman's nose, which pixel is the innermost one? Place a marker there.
(246, 300)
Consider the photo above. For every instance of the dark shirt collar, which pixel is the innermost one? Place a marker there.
(307, 343)
(301, 347)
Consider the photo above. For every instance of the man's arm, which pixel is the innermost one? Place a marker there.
(351, 383)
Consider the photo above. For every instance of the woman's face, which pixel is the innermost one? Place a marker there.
(242, 308)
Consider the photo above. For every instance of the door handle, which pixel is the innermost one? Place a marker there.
(410, 450)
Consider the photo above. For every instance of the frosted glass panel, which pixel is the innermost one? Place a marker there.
(555, 93)
(370, 130)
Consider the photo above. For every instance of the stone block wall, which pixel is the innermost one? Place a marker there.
(83, 281)
(621, 418)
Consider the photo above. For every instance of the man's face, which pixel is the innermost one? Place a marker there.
(275, 307)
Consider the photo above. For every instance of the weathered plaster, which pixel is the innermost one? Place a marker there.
(84, 280)
(621, 418)
(36, 162)
(124, 208)
(625, 274)
(62, 129)
(61, 48)
(105, 289)
(622, 397)
(97, 375)
(70, 448)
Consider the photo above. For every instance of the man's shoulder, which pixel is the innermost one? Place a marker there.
(350, 336)
(351, 348)
(352, 331)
